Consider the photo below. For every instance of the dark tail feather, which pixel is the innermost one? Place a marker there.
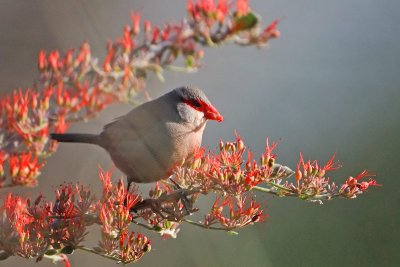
(77, 138)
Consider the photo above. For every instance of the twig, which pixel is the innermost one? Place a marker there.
(148, 227)
(90, 250)
(205, 226)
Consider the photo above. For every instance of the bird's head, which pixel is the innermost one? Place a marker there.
(195, 99)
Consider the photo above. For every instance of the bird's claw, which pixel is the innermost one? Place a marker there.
(183, 198)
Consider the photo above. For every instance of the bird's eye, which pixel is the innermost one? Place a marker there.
(196, 103)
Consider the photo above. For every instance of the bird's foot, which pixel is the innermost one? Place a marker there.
(183, 197)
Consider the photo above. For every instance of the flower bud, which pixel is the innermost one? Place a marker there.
(271, 162)
(221, 145)
(262, 159)
(147, 247)
(240, 144)
(227, 146)
(298, 175)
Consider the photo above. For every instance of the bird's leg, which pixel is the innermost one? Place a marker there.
(128, 186)
(130, 181)
(138, 205)
(183, 198)
(151, 203)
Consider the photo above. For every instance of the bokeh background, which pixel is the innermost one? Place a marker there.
(330, 83)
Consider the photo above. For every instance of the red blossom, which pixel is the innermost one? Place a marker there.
(165, 33)
(24, 169)
(352, 182)
(3, 157)
(135, 22)
(147, 26)
(127, 39)
(242, 7)
(271, 30)
(61, 125)
(269, 156)
(240, 210)
(132, 247)
(109, 57)
(42, 61)
(222, 10)
(331, 164)
(54, 59)
(84, 54)
(66, 261)
(68, 58)
(14, 208)
(156, 34)
(64, 205)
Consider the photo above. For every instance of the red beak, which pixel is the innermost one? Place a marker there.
(212, 113)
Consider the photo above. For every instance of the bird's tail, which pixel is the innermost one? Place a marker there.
(77, 138)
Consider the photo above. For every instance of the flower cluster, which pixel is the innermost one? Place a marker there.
(353, 187)
(75, 85)
(115, 218)
(55, 229)
(238, 216)
(312, 183)
(231, 171)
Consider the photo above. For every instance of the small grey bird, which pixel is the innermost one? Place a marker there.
(148, 142)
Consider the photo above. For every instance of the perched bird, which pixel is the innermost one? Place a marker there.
(149, 141)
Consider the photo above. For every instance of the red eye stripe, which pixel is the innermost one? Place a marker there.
(196, 104)
(210, 112)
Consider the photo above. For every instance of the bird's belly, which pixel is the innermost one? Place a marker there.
(152, 157)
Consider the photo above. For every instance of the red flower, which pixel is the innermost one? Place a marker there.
(147, 26)
(156, 34)
(15, 214)
(66, 261)
(68, 58)
(242, 7)
(109, 57)
(127, 40)
(53, 59)
(60, 125)
(42, 61)
(135, 22)
(24, 168)
(165, 33)
(3, 157)
(84, 54)
(271, 31)
(222, 10)
(352, 187)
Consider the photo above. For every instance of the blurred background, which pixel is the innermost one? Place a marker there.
(330, 83)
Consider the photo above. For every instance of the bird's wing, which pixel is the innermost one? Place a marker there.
(139, 120)
(115, 120)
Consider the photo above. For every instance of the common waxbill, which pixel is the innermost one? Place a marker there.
(149, 141)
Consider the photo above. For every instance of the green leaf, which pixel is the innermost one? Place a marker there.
(189, 61)
(4, 255)
(231, 232)
(51, 252)
(157, 228)
(245, 22)
(160, 76)
(67, 250)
